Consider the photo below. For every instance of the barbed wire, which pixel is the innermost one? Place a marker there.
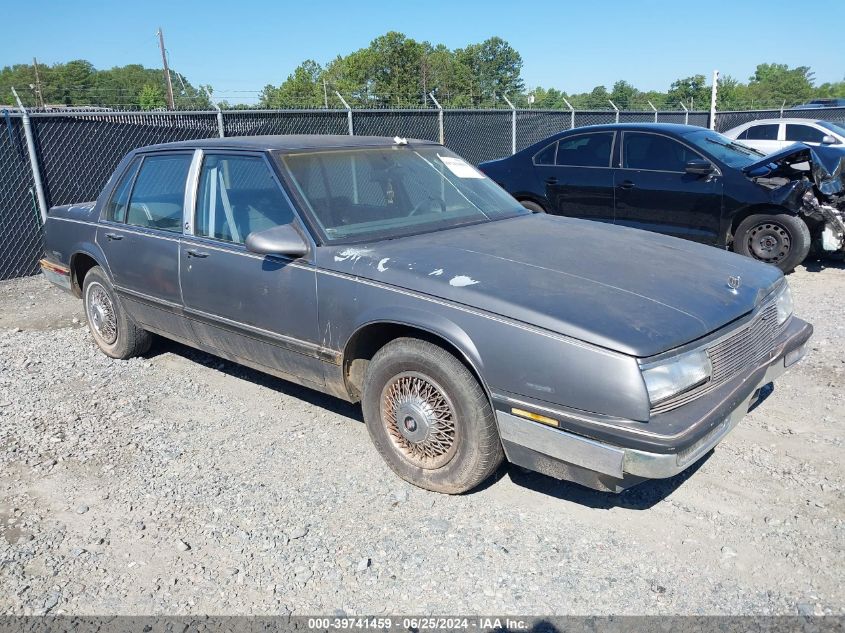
(192, 98)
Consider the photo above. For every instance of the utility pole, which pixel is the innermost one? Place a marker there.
(325, 94)
(166, 70)
(39, 97)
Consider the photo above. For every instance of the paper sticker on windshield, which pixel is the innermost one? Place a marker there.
(460, 167)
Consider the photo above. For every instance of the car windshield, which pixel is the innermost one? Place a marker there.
(385, 192)
(833, 127)
(724, 149)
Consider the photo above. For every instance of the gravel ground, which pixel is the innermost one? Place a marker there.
(181, 484)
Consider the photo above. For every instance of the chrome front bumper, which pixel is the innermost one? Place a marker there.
(659, 466)
(613, 467)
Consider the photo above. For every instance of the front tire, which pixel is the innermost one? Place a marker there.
(429, 418)
(112, 329)
(782, 240)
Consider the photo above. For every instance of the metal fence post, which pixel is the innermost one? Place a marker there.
(439, 118)
(513, 124)
(615, 108)
(220, 129)
(348, 112)
(714, 89)
(571, 113)
(653, 108)
(686, 113)
(33, 159)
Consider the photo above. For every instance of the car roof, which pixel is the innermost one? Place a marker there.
(783, 120)
(285, 142)
(676, 128)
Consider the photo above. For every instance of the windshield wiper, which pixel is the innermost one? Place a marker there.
(737, 147)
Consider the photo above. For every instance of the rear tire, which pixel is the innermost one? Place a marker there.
(112, 329)
(532, 206)
(782, 240)
(429, 418)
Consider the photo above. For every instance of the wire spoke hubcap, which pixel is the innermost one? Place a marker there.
(101, 314)
(419, 419)
(769, 241)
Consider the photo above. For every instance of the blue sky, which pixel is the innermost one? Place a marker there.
(239, 46)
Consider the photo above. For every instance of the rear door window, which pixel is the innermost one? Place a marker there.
(803, 133)
(641, 150)
(159, 192)
(546, 156)
(585, 150)
(119, 202)
(767, 132)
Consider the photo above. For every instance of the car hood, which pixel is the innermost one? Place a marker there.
(631, 291)
(827, 165)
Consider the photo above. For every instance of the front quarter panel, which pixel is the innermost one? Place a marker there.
(510, 357)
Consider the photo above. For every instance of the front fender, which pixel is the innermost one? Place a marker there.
(509, 357)
(426, 321)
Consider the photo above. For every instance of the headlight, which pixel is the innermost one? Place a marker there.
(784, 303)
(676, 375)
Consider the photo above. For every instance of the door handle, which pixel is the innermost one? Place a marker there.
(195, 253)
(551, 180)
(627, 185)
(114, 236)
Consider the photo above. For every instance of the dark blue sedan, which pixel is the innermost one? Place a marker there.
(680, 180)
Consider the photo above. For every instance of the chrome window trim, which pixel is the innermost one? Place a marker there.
(191, 184)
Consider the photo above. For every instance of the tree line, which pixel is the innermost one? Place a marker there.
(397, 71)
(78, 83)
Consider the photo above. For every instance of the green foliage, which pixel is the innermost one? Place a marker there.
(777, 82)
(151, 98)
(398, 71)
(302, 89)
(771, 86)
(78, 83)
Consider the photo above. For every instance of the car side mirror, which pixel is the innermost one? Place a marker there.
(827, 139)
(279, 240)
(700, 167)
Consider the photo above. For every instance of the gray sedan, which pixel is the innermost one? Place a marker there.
(393, 273)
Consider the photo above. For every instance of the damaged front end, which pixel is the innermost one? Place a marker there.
(809, 181)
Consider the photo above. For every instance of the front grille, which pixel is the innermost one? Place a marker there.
(747, 347)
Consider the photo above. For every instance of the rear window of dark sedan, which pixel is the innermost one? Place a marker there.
(377, 193)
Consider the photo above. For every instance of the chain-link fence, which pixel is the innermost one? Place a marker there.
(20, 220)
(77, 151)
